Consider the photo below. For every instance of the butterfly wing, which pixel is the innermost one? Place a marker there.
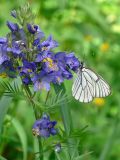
(88, 85)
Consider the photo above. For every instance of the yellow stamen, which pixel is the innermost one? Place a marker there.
(3, 75)
(36, 132)
(44, 48)
(51, 64)
(58, 79)
(29, 70)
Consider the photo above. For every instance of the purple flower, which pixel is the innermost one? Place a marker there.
(68, 60)
(17, 48)
(48, 44)
(39, 35)
(12, 26)
(28, 66)
(39, 85)
(26, 71)
(36, 42)
(44, 127)
(24, 53)
(43, 55)
(49, 65)
(8, 68)
(22, 36)
(25, 78)
(3, 40)
(60, 58)
(66, 73)
(32, 28)
(72, 62)
(57, 77)
(3, 52)
(42, 81)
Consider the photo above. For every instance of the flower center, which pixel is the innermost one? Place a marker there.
(44, 48)
(36, 131)
(51, 64)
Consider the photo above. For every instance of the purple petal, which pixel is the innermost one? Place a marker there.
(12, 26)
(53, 131)
(44, 133)
(3, 40)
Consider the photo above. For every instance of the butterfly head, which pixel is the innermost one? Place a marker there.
(81, 65)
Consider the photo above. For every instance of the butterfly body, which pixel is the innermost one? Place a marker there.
(89, 85)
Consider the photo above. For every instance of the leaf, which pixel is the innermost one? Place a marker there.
(75, 149)
(58, 156)
(54, 101)
(22, 135)
(82, 157)
(94, 13)
(10, 89)
(66, 115)
(65, 111)
(108, 145)
(2, 158)
(36, 147)
(4, 105)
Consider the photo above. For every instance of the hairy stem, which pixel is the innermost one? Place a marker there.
(30, 98)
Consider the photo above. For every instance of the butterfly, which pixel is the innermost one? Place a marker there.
(89, 85)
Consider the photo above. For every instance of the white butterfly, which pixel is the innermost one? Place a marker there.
(89, 85)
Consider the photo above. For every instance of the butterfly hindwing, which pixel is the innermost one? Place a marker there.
(89, 85)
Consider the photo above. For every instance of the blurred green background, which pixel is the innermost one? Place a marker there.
(91, 29)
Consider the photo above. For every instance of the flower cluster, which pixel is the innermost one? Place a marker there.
(44, 127)
(26, 53)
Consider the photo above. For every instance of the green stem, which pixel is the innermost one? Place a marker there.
(65, 111)
(30, 98)
(47, 97)
(66, 116)
(29, 95)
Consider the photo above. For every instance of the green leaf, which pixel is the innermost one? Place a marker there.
(2, 158)
(66, 116)
(22, 135)
(65, 110)
(91, 9)
(55, 100)
(10, 89)
(109, 143)
(82, 157)
(36, 148)
(4, 105)
(58, 156)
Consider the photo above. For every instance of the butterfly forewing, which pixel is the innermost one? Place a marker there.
(89, 85)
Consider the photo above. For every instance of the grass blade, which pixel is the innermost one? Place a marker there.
(108, 145)
(2, 158)
(66, 116)
(22, 135)
(4, 105)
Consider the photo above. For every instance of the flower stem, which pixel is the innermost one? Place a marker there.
(30, 98)
(47, 97)
(66, 115)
